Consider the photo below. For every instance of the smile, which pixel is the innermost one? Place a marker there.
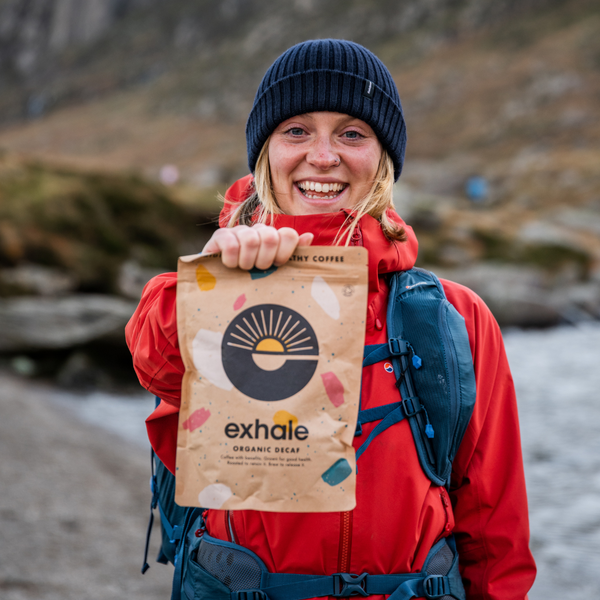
(324, 191)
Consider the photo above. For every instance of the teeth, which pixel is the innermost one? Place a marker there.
(320, 187)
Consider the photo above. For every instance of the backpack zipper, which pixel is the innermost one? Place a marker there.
(346, 519)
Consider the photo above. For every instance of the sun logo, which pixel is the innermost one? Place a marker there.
(270, 352)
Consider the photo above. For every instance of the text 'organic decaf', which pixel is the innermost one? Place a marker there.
(272, 382)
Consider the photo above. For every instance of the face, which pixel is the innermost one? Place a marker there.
(322, 162)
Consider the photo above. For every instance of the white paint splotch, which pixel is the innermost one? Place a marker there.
(325, 297)
(206, 354)
(214, 495)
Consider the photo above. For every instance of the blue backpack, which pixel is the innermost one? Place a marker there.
(428, 346)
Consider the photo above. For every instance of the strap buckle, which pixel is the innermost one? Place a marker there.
(436, 586)
(394, 346)
(409, 406)
(348, 584)
(249, 595)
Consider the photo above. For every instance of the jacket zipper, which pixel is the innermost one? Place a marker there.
(356, 239)
(446, 503)
(230, 529)
(346, 519)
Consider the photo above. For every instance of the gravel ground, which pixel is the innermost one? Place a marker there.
(74, 498)
(73, 507)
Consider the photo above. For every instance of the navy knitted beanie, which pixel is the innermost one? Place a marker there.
(328, 75)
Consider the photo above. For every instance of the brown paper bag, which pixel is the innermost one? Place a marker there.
(272, 383)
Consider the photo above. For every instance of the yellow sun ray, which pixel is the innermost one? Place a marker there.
(260, 333)
(299, 341)
(278, 321)
(251, 337)
(250, 327)
(291, 329)
(240, 346)
(284, 326)
(296, 335)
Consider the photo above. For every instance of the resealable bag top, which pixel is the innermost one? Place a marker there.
(270, 395)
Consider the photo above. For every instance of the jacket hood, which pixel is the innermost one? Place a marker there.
(384, 256)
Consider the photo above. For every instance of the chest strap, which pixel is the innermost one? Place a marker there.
(393, 413)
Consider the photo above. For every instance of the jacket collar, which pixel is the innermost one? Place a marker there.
(384, 256)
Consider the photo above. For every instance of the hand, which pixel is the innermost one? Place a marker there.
(258, 246)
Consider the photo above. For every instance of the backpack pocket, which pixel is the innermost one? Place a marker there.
(216, 568)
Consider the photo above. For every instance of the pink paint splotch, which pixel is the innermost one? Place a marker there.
(240, 301)
(196, 419)
(334, 388)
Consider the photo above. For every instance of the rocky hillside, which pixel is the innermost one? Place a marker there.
(502, 179)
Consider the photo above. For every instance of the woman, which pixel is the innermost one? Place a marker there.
(326, 140)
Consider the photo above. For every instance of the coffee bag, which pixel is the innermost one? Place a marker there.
(271, 390)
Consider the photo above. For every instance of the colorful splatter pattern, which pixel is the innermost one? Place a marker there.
(205, 279)
(239, 302)
(334, 388)
(339, 471)
(325, 297)
(196, 419)
(214, 495)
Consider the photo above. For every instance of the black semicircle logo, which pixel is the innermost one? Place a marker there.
(270, 352)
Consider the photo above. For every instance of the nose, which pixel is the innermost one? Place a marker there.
(322, 154)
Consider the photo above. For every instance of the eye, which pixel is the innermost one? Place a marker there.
(295, 131)
(352, 135)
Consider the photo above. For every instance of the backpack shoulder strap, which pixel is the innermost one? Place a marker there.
(172, 516)
(440, 377)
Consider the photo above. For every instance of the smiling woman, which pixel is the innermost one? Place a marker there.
(326, 141)
(322, 162)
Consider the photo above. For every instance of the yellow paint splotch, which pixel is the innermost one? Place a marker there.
(283, 417)
(206, 280)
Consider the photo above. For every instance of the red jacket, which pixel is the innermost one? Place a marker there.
(399, 514)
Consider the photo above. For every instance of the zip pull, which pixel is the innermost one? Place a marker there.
(429, 432)
(416, 360)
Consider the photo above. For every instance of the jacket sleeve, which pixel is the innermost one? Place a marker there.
(151, 335)
(488, 483)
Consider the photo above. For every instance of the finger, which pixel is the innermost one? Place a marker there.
(288, 240)
(306, 239)
(226, 242)
(269, 243)
(249, 241)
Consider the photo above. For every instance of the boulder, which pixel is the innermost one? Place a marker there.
(37, 323)
(522, 296)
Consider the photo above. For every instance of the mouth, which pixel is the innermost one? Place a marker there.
(316, 190)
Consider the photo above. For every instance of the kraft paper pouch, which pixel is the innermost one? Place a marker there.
(272, 383)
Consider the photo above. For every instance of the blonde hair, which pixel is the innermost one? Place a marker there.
(261, 205)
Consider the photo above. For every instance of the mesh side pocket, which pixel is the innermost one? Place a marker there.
(236, 569)
(440, 564)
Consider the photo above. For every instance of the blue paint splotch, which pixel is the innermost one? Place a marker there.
(259, 273)
(339, 471)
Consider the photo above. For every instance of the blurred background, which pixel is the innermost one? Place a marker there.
(121, 121)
